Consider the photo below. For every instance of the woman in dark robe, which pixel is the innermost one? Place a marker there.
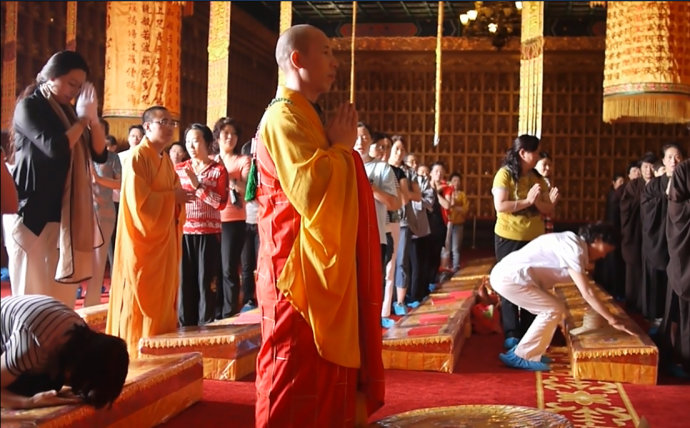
(610, 271)
(676, 325)
(631, 233)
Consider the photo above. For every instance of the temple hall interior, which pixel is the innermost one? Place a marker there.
(602, 85)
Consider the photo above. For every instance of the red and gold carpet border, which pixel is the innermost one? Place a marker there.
(587, 403)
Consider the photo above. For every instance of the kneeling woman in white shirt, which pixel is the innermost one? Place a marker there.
(525, 277)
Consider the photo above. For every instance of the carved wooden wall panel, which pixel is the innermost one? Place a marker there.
(395, 94)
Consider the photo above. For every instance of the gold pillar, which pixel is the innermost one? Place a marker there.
(9, 65)
(439, 75)
(142, 61)
(353, 38)
(531, 68)
(285, 23)
(647, 63)
(71, 26)
(218, 61)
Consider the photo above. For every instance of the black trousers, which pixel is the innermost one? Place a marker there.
(196, 302)
(515, 321)
(437, 240)
(419, 269)
(231, 243)
(250, 254)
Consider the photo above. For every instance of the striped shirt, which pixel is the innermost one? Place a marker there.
(33, 326)
(203, 213)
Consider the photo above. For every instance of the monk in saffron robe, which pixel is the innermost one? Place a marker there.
(148, 247)
(319, 268)
(676, 325)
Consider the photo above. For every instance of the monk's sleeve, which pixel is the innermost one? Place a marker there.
(630, 206)
(317, 180)
(678, 230)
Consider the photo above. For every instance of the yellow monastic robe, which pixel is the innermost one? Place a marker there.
(319, 277)
(145, 275)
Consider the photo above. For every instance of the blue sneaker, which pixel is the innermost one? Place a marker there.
(399, 309)
(247, 307)
(512, 360)
(4, 274)
(387, 323)
(544, 358)
(432, 287)
(511, 342)
(413, 305)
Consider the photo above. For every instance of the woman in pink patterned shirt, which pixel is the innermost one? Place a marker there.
(200, 273)
(233, 218)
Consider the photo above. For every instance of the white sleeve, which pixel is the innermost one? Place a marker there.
(573, 252)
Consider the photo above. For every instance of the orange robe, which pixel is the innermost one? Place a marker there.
(148, 247)
(319, 275)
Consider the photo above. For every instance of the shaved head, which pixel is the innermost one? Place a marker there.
(295, 38)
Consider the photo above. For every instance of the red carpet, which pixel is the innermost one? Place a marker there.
(479, 378)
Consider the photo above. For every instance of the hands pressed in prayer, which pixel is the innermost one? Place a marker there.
(87, 103)
(533, 193)
(342, 128)
(554, 195)
(192, 176)
(182, 196)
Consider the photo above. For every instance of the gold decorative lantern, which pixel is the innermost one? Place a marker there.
(647, 65)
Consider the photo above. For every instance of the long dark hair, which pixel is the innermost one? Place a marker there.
(529, 143)
(58, 65)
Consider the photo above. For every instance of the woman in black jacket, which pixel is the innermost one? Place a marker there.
(53, 145)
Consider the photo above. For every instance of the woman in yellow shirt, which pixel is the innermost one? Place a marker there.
(521, 197)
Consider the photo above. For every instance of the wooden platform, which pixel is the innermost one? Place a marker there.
(475, 269)
(431, 336)
(156, 389)
(95, 316)
(605, 353)
(229, 350)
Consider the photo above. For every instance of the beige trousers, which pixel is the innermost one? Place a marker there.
(33, 260)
